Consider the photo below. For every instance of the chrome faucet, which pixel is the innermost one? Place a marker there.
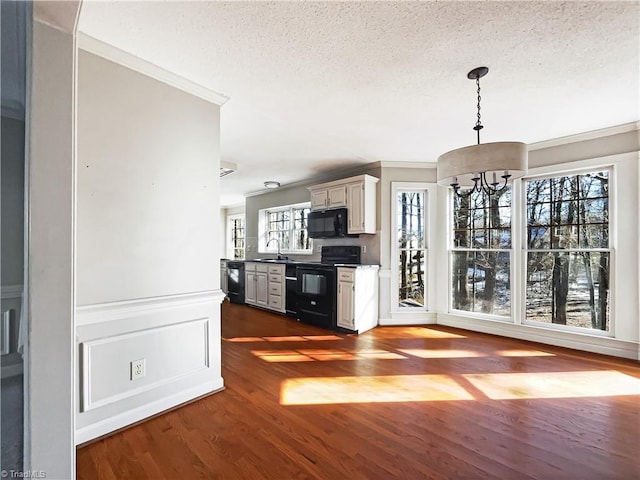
(277, 243)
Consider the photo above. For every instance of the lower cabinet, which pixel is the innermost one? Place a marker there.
(357, 303)
(263, 285)
(276, 288)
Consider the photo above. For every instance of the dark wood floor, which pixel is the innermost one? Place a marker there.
(393, 403)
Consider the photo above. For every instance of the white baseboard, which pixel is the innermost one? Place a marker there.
(128, 417)
(587, 343)
(408, 318)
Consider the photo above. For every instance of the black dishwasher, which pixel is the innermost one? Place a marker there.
(290, 296)
(235, 281)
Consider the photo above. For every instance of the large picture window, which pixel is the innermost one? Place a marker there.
(481, 253)
(568, 254)
(285, 229)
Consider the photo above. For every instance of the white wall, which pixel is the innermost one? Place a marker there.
(49, 352)
(148, 243)
(147, 186)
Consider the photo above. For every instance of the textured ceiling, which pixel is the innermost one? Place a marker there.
(315, 86)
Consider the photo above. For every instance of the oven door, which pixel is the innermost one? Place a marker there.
(315, 292)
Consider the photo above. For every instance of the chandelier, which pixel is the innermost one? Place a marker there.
(483, 167)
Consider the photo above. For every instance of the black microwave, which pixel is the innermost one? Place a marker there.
(327, 223)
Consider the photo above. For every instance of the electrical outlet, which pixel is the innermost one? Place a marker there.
(138, 368)
(364, 249)
(318, 248)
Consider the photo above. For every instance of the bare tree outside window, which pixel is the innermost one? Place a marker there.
(568, 250)
(410, 225)
(481, 253)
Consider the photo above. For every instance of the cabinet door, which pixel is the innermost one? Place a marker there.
(223, 281)
(319, 199)
(345, 305)
(250, 288)
(355, 205)
(262, 293)
(338, 196)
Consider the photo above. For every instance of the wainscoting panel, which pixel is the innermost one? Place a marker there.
(167, 352)
(178, 339)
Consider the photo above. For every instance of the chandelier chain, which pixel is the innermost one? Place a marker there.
(478, 123)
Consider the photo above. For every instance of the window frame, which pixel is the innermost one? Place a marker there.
(230, 243)
(263, 231)
(513, 260)
(550, 173)
(430, 215)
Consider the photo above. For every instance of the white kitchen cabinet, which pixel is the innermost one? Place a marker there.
(264, 285)
(277, 290)
(255, 284)
(262, 289)
(357, 305)
(361, 205)
(223, 276)
(329, 197)
(357, 193)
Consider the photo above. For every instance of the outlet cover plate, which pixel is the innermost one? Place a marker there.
(138, 368)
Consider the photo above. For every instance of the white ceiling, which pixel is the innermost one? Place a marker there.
(316, 86)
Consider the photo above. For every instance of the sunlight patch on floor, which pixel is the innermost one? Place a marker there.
(371, 389)
(293, 338)
(507, 386)
(414, 332)
(440, 353)
(524, 353)
(324, 355)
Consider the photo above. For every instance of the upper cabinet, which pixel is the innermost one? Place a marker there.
(357, 193)
(330, 197)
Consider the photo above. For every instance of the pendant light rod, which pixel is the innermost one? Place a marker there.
(476, 74)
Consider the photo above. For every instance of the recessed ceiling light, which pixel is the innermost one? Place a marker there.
(271, 184)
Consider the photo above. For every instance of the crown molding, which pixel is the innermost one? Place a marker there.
(581, 137)
(114, 54)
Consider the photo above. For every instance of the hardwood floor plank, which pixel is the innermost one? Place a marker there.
(483, 407)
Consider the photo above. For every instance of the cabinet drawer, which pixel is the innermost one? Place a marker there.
(346, 275)
(275, 289)
(250, 267)
(275, 301)
(275, 278)
(261, 267)
(276, 269)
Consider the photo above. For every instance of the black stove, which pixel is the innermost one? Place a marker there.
(314, 300)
